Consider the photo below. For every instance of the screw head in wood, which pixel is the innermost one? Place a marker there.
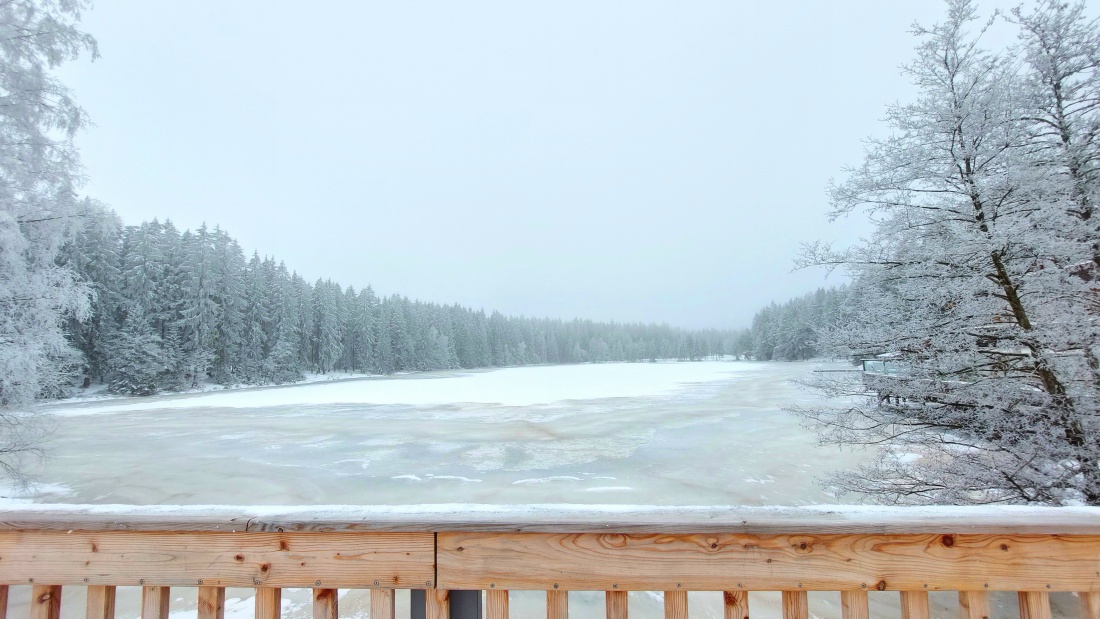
(317, 583)
(678, 585)
(986, 585)
(427, 583)
(200, 581)
(799, 585)
(376, 583)
(614, 586)
(492, 585)
(738, 585)
(862, 585)
(141, 582)
(86, 580)
(30, 580)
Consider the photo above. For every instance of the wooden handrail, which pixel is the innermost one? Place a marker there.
(557, 549)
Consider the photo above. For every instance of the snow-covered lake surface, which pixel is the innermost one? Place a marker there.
(628, 434)
(660, 433)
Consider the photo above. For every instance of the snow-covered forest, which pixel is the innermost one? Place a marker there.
(171, 309)
(789, 331)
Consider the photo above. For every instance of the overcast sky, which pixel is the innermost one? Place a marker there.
(634, 161)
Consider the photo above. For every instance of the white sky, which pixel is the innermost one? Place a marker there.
(636, 161)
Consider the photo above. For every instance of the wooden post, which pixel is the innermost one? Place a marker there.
(381, 604)
(737, 604)
(154, 602)
(796, 605)
(1034, 605)
(3, 601)
(496, 604)
(853, 604)
(1090, 605)
(269, 602)
(617, 605)
(973, 605)
(101, 602)
(326, 604)
(557, 604)
(211, 602)
(676, 604)
(437, 603)
(914, 605)
(46, 602)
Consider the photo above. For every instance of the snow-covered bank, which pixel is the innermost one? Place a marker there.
(522, 386)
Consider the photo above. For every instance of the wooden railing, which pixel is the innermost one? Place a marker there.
(556, 549)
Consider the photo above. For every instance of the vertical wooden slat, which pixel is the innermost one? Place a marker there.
(853, 604)
(101, 602)
(617, 605)
(676, 604)
(557, 605)
(381, 603)
(3, 601)
(796, 605)
(437, 604)
(269, 602)
(46, 602)
(326, 604)
(496, 604)
(1034, 605)
(914, 605)
(154, 602)
(973, 605)
(211, 602)
(737, 604)
(1090, 605)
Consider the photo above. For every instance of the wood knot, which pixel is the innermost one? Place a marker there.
(460, 549)
(948, 540)
(265, 567)
(1004, 546)
(713, 545)
(283, 545)
(881, 585)
(238, 558)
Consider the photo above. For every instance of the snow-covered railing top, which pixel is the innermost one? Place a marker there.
(557, 518)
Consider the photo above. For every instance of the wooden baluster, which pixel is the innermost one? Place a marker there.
(496, 604)
(326, 604)
(914, 605)
(211, 602)
(101, 602)
(269, 602)
(617, 605)
(796, 605)
(437, 603)
(381, 603)
(737, 604)
(3, 601)
(46, 602)
(1090, 605)
(154, 602)
(973, 605)
(1034, 605)
(853, 604)
(557, 604)
(676, 605)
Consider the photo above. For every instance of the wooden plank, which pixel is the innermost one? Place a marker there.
(154, 602)
(1090, 605)
(211, 603)
(381, 604)
(3, 601)
(590, 561)
(676, 604)
(326, 604)
(853, 604)
(101, 602)
(914, 605)
(269, 602)
(557, 604)
(618, 605)
(557, 519)
(333, 560)
(737, 604)
(437, 604)
(974, 605)
(496, 604)
(46, 602)
(1034, 605)
(796, 605)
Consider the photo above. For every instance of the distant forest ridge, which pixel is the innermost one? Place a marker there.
(176, 309)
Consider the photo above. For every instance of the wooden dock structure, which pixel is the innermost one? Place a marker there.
(437, 550)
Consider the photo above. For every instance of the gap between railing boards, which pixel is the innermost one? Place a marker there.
(449, 554)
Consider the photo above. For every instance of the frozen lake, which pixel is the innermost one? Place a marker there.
(667, 433)
(664, 433)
